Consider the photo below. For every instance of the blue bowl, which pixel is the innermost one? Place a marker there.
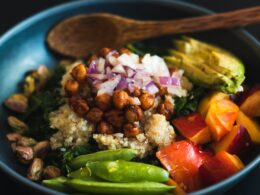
(23, 48)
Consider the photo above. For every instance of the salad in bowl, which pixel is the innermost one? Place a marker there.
(136, 120)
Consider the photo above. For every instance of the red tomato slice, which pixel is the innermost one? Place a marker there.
(183, 159)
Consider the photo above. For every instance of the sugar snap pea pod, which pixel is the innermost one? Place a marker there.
(83, 173)
(119, 154)
(57, 183)
(124, 171)
(134, 188)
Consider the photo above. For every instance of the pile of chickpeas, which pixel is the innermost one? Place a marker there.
(117, 112)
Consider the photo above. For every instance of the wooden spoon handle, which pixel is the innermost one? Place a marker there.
(147, 29)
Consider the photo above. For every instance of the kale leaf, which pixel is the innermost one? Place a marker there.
(42, 103)
(189, 104)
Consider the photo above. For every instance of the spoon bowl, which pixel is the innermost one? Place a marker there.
(79, 35)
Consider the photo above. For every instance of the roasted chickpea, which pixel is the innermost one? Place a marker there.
(165, 108)
(105, 128)
(172, 70)
(104, 51)
(124, 51)
(130, 130)
(137, 92)
(94, 115)
(104, 101)
(133, 113)
(120, 99)
(72, 87)
(115, 118)
(162, 90)
(147, 100)
(79, 105)
(79, 73)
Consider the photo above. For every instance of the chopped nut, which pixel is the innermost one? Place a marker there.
(41, 149)
(104, 101)
(17, 103)
(35, 80)
(17, 125)
(165, 108)
(94, 115)
(35, 170)
(13, 137)
(24, 154)
(51, 172)
(115, 118)
(162, 90)
(120, 99)
(134, 113)
(105, 128)
(130, 130)
(147, 100)
(26, 141)
(79, 105)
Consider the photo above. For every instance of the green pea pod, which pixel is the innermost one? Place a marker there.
(135, 188)
(124, 171)
(57, 183)
(119, 154)
(83, 173)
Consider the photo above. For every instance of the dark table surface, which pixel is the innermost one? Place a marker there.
(12, 12)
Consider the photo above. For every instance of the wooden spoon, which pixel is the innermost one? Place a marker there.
(79, 35)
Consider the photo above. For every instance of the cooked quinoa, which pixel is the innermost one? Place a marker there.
(72, 129)
(159, 131)
(115, 141)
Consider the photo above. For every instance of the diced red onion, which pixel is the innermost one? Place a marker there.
(152, 88)
(122, 84)
(119, 69)
(98, 76)
(92, 67)
(127, 60)
(101, 65)
(109, 86)
(131, 87)
(130, 72)
(169, 81)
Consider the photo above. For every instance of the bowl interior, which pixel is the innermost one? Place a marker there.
(23, 48)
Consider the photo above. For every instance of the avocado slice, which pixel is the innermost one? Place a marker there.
(207, 65)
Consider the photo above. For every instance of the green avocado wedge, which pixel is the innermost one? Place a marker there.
(207, 65)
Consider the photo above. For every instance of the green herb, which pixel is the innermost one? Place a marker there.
(189, 104)
(61, 157)
(41, 104)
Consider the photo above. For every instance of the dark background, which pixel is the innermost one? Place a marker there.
(12, 12)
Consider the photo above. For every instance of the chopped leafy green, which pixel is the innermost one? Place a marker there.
(189, 104)
(61, 157)
(42, 103)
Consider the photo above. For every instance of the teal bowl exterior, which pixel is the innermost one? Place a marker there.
(23, 48)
